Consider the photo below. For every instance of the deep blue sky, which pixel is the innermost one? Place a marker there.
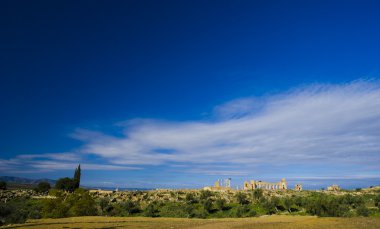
(89, 64)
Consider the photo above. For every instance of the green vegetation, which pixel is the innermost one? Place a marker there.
(76, 178)
(151, 210)
(241, 198)
(66, 184)
(68, 200)
(3, 185)
(42, 187)
(79, 203)
(19, 210)
(377, 201)
(69, 184)
(202, 204)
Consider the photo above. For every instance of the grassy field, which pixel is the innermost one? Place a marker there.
(157, 223)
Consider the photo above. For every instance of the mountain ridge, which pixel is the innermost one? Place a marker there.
(23, 180)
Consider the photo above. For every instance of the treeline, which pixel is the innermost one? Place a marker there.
(66, 183)
(70, 184)
(205, 205)
(70, 200)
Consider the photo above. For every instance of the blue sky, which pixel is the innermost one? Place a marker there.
(181, 93)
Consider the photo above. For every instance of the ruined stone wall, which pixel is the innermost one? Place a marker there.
(298, 187)
(282, 185)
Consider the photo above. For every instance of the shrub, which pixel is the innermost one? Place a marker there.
(323, 205)
(377, 201)
(207, 205)
(270, 205)
(66, 184)
(241, 198)
(335, 209)
(79, 203)
(19, 210)
(3, 185)
(190, 198)
(241, 210)
(189, 210)
(362, 211)
(56, 193)
(55, 208)
(200, 213)
(43, 187)
(130, 207)
(288, 202)
(205, 194)
(176, 209)
(299, 201)
(104, 204)
(257, 194)
(252, 213)
(151, 210)
(10, 214)
(220, 204)
(353, 201)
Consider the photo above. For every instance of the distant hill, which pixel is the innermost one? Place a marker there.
(21, 180)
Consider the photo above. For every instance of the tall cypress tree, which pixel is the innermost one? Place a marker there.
(77, 177)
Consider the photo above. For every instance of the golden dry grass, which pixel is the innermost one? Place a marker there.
(158, 223)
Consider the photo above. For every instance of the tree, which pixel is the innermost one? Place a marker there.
(78, 203)
(104, 205)
(151, 210)
(69, 184)
(377, 201)
(288, 202)
(257, 194)
(207, 205)
(205, 194)
(241, 198)
(77, 175)
(362, 211)
(220, 204)
(270, 204)
(43, 187)
(3, 185)
(241, 210)
(130, 207)
(81, 204)
(18, 210)
(189, 208)
(66, 184)
(190, 198)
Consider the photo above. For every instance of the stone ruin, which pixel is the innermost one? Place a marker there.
(333, 187)
(220, 185)
(298, 187)
(282, 185)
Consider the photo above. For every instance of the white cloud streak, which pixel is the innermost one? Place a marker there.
(336, 127)
(52, 156)
(319, 124)
(27, 163)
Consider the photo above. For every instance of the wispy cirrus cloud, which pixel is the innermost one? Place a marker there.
(52, 156)
(322, 125)
(27, 163)
(332, 128)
